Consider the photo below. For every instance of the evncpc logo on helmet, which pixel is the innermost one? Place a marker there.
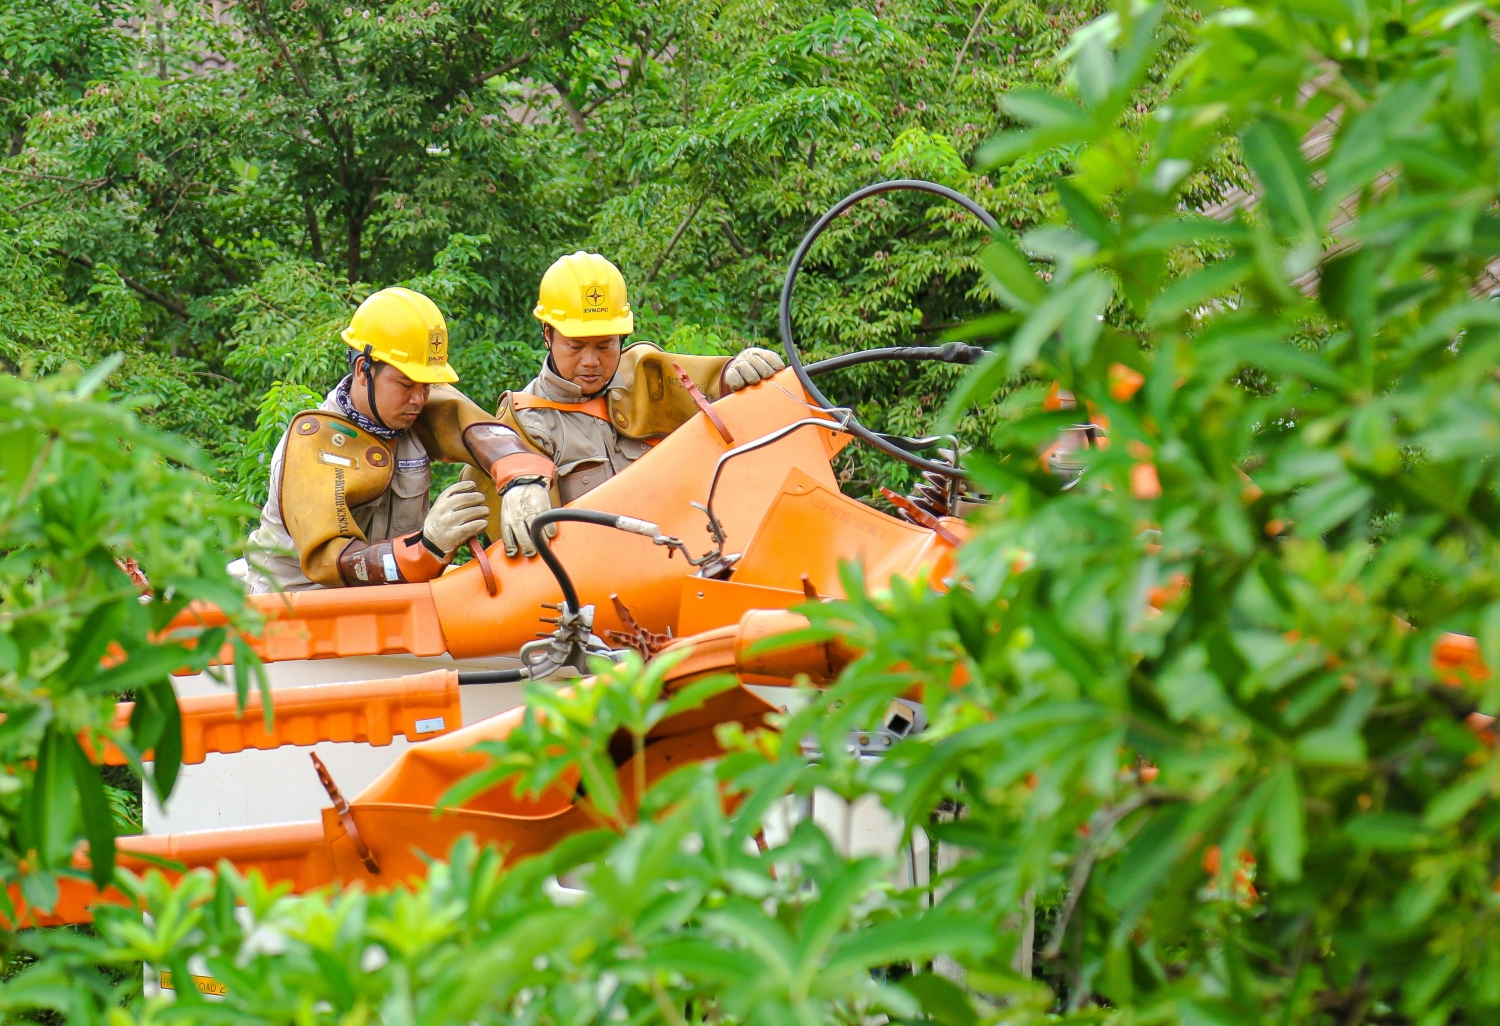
(595, 299)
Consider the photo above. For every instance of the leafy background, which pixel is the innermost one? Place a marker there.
(212, 187)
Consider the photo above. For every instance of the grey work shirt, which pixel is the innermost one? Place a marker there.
(588, 451)
(396, 512)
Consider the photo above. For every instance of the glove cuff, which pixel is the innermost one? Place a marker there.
(524, 479)
(415, 560)
(521, 464)
(361, 564)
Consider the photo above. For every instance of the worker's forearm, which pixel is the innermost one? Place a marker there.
(500, 450)
(405, 560)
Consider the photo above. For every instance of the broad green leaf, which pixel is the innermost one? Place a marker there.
(1010, 275)
(1285, 834)
(1276, 159)
(1190, 293)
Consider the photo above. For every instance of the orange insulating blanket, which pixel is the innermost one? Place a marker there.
(780, 506)
(417, 706)
(394, 818)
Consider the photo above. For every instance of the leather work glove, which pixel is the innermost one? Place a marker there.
(458, 514)
(751, 367)
(524, 501)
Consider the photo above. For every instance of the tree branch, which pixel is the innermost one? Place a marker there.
(165, 302)
(575, 116)
(671, 245)
(1101, 825)
(958, 61)
(734, 240)
(296, 70)
(61, 192)
(484, 76)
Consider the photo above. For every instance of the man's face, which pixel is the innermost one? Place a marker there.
(588, 362)
(398, 397)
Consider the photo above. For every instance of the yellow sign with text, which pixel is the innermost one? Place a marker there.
(205, 984)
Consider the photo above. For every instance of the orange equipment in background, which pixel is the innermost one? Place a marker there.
(744, 492)
(380, 837)
(780, 508)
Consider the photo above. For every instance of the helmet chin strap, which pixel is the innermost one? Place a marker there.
(369, 359)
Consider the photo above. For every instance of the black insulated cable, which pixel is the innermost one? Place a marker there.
(884, 444)
(951, 352)
(544, 547)
(491, 676)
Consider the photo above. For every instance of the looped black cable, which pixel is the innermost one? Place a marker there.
(544, 546)
(948, 352)
(883, 443)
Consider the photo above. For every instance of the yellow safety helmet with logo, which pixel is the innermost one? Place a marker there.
(582, 296)
(406, 330)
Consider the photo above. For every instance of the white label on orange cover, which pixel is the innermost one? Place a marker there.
(337, 461)
(429, 726)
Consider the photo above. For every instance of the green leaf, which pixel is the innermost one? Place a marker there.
(1454, 804)
(1276, 159)
(1286, 837)
(1388, 831)
(942, 999)
(1010, 276)
(51, 805)
(98, 817)
(1043, 110)
(908, 941)
(1082, 212)
(981, 383)
(1198, 288)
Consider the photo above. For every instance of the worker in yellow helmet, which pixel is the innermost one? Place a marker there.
(349, 481)
(596, 405)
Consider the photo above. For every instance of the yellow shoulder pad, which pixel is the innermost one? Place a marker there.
(330, 467)
(654, 403)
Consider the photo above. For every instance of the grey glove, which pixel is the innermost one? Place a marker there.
(523, 502)
(752, 366)
(458, 515)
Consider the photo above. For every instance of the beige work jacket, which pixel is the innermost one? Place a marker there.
(275, 562)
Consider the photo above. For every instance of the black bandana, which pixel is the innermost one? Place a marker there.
(346, 407)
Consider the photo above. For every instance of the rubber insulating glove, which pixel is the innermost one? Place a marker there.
(751, 367)
(458, 514)
(523, 502)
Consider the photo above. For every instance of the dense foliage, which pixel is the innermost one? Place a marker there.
(87, 497)
(1187, 742)
(213, 188)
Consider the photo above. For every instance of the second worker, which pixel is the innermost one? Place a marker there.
(596, 406)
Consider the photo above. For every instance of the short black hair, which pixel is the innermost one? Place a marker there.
(356, 355)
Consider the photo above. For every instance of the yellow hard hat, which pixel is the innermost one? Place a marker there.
(583, 295)
(406, 330)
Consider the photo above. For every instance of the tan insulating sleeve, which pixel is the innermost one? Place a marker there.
(505, 415)
(654, 402)
(331, 467)
(441, 426)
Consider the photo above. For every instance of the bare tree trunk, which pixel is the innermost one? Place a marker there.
(356, 238)
(314, 236)
(575, 116)
(1022, 961)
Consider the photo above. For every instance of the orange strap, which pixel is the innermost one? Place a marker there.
(521, 464)
(595, 407)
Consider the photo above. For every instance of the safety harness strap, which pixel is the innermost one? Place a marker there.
(595, 407)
